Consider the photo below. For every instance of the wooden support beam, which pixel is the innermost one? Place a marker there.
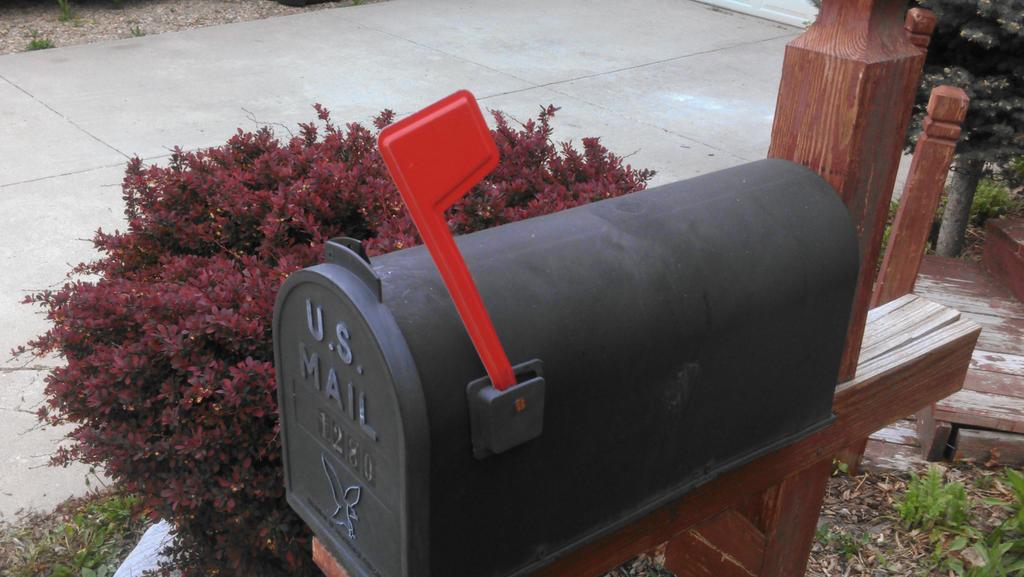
(326, 562)
(933, 434)
(847, 92)
(767, 536)
(794, 510)
(848, 85)
(990, 448)
(726, 545)
(908, 236)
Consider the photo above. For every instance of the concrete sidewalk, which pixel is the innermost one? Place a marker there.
(681, 87)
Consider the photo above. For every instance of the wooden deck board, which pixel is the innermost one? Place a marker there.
(993, 395)
(998, 363)
(990, 448)
(894, 449)
(883, 457)
(1000, 334)
(994, 383)
(966, 287)
(902, 432)
(998, 412)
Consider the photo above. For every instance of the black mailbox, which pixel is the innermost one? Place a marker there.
(680, 332)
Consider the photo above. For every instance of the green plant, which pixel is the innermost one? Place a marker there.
(137, 31)
(993, 558)
(1016, 482)
(846, 543)
(39, 43)
(65, 10)
(968, 551)
(930, 503)
(991, 200)
(945, 556)
(1017, 166)
(976, 46)
(89, 540)
(894, 207)
(1014, 524)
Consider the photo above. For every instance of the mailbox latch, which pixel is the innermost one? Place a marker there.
(501, 420)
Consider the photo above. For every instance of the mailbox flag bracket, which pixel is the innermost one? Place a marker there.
(501, 420)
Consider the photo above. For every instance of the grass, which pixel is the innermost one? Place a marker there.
(847, 544)
(65, 10)
(39, 43)
(87, 537)
(963, 545)
(991, 200)
(930, 503)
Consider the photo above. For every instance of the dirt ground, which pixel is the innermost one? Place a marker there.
(859, 533)
(21, 21)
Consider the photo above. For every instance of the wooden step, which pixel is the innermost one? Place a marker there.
(989, 448)
(993, 392)
(997, 412)
(1003, 255)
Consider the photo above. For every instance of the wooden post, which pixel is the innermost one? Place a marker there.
(920, 24)
(767, 536)
(848, 85)
(847, 92)
(908, 236)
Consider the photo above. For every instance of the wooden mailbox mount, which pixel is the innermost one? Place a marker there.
(848, 84)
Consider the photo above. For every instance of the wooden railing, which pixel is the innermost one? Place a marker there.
(915, 216)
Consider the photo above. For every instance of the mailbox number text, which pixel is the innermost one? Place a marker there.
(348, 447)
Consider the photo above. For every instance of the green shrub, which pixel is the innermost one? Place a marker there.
(65, 10)
(930, 503)
(39, 43)
(991, 200)
(89, 540)
(846, 543)
(169, 380)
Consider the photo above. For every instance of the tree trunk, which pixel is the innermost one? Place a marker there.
(962, 184)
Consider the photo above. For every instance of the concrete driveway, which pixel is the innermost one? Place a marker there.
(681, 87)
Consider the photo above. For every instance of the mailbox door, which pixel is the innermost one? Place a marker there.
(354, 428)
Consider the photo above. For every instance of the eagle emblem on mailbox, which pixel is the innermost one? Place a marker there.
(345, 500)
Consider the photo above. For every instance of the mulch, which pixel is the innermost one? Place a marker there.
(860, 533)
(99, 20)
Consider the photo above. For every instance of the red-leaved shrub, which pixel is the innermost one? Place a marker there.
(169, 379)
